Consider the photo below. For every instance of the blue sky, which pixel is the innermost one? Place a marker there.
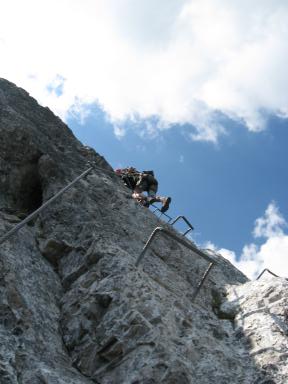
(194, 89)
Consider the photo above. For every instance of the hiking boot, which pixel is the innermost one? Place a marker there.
(166, 202)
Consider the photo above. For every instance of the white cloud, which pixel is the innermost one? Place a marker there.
(181, 61)
(272, 254)
(119, 132)
(271, 224)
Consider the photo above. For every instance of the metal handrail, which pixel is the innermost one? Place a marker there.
(43, 206)
(268, 270)
(186, 221)
(182, 242)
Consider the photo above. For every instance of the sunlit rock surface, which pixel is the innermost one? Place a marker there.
(73, 306)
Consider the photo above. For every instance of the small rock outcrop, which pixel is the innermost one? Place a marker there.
(73, 306)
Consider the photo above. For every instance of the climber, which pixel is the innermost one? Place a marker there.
(140, 182)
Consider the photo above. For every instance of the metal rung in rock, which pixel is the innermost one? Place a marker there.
(186, 221)
(182, 242)
(268, 270)
(161, 213)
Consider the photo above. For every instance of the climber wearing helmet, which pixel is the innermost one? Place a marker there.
(141, 182)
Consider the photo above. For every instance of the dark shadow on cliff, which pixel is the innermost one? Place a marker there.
(26, 188)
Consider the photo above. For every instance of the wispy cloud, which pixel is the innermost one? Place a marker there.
(182, 61)
(272, 224)
(119, 132)
(272, 254)
(56, 86)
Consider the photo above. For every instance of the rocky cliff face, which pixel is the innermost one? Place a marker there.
(73, 306)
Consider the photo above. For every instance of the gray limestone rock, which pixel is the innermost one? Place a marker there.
(73, 306)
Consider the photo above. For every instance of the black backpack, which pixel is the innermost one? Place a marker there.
(149, 173)
(130, 181)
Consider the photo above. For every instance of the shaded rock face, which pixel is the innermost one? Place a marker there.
(73, 306)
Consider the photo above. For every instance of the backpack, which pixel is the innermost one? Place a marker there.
(148, 172)
(129, 176)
